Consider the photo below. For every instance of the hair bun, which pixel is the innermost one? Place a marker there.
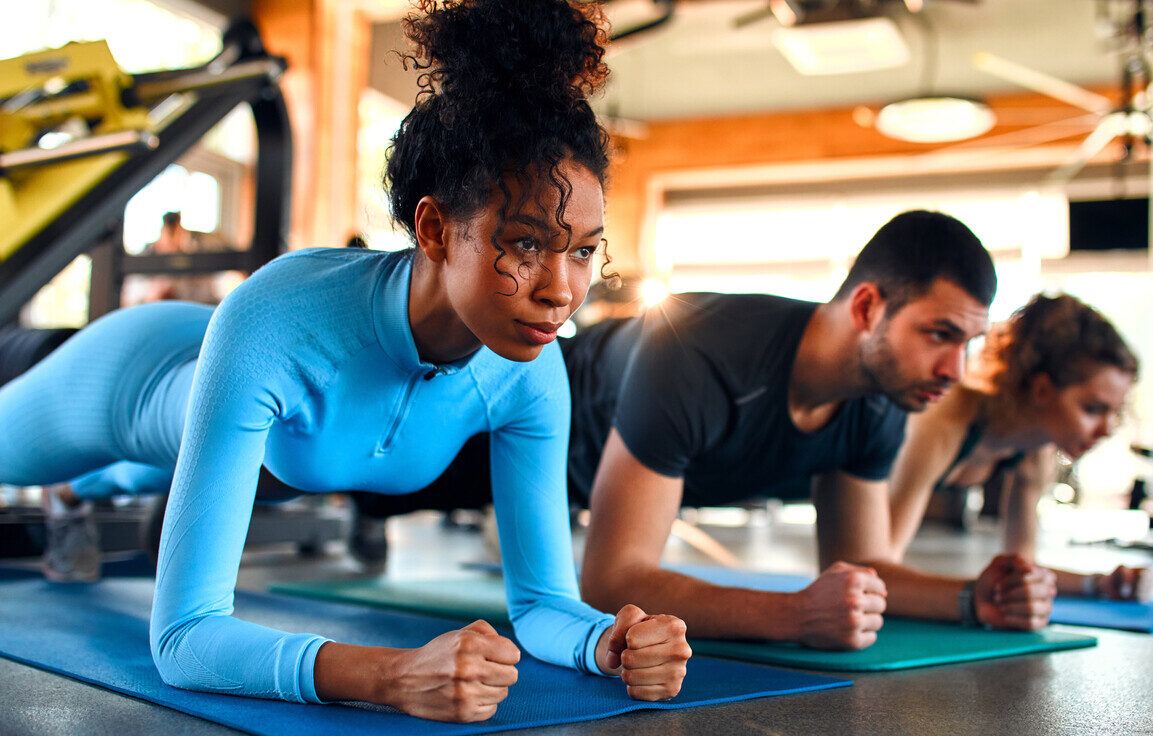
(503, 89)
(510, 53)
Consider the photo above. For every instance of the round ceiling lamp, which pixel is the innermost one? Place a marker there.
(935, 119)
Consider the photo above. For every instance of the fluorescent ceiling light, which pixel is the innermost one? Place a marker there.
(843, 46)
(935, 119)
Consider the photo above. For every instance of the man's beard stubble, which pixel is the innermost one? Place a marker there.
(882, 373)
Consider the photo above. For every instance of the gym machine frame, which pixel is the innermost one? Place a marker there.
(242, 73)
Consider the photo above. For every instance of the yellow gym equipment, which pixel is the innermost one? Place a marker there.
(79, 137)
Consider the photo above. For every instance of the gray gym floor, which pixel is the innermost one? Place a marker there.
(1101, 690)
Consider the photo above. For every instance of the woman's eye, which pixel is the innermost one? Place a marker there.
(586, 252)
(528, 245)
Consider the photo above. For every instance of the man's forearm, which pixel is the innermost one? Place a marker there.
(918, 595)
(708, 610)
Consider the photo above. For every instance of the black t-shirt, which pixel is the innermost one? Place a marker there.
(698, 388)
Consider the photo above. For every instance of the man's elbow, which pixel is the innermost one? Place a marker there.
(862, 558)
(879, 562)
(607, 588)
(594, 588)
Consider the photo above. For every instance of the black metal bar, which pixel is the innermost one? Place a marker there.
(666, 15)
(207, 81)
(273, 198)
(126, 141)
(107, 275)
(186, 263)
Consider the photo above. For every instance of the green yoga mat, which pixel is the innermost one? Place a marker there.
(901, 644)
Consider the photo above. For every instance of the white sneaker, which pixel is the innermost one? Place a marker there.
(369, 543)
(490, 535)
(72, 552)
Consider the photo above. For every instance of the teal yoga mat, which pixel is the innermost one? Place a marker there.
(98, 633)
(901, 644)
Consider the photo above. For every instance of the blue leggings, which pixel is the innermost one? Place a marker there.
(105, 410)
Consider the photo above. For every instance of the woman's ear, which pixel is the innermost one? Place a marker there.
(430, 229)
(1041, 389)
(866, 306)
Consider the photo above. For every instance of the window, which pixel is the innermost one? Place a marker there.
(803, 246)
(142, 35)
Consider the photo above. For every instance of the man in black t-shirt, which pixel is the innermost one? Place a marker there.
(698, 389)
(714, 398)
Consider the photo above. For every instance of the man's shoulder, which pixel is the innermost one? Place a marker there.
(725, 319)
(715, 305)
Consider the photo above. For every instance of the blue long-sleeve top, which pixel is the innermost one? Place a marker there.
(310, 368)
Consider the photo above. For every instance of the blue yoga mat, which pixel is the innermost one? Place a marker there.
(1104, 614)
(777, 582)
(99, 634)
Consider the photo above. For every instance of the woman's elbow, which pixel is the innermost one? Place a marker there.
(162, 642)
(175, 661)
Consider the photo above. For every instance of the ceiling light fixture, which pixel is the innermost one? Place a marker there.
(843, 47)
(935, 119)
(932, 117)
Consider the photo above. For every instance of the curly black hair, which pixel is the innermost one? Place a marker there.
(503, 93)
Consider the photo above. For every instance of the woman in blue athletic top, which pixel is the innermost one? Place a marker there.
(339, 369)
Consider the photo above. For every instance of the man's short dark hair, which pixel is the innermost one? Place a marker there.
(916, 248)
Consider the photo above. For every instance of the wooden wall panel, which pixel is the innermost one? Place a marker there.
(288, 28)
(326, 43)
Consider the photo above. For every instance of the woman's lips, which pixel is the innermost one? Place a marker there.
(540, 333)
